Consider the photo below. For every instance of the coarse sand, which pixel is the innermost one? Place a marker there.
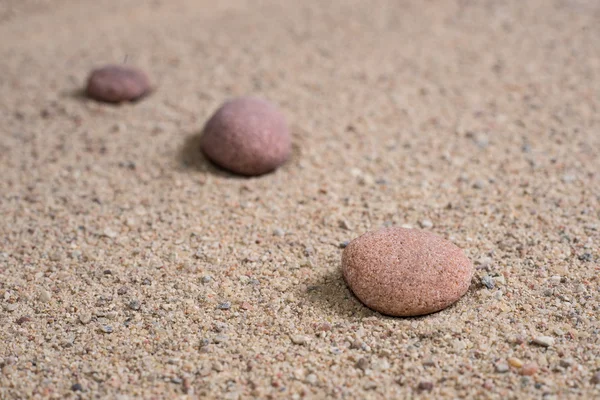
(130, 267)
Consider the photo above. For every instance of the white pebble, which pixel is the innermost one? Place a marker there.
(545, 341)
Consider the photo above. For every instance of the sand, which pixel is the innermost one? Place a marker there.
(132, 268)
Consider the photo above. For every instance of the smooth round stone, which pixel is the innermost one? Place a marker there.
(406, 272)
(248, 136)
(117, 83)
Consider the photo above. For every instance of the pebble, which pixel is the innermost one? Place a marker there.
(344, 244)
(247, 136)
(544, 341)
(23, 320)
(425, 386)
(117, 83)
(502, 367)
(135, 305)
(488, 281)
(107, 329)
(299, 339)
(515, 362)
(221, 338)
(77, 387)
(362, 364)
(44, 296)
(206, 279)
(224, 305)
(312, 379)
(278, 232)
(566, 362)
(85, 318)
(406, 272)
(595, 378)
(426, 224)
(529, 369)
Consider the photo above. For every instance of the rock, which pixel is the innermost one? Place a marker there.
(425, 386)
(405, 272)
(502, 367)
(117, 83)
(247, 136)
(299, 339)
(44, 296)
(529, 369)
(426, 224)
(544, 341)
(515, 362)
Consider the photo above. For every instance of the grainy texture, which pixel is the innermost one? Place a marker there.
(406, 272)
(480, 117)
(248, 136)
(117, 83)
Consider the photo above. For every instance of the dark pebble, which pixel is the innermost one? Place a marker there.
(425, 386)
(117, 83)
(224, 306)
(77, 387)
(22, 320)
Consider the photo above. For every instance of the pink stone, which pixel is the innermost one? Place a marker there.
(248, 136)
(117, 83)
(406, 272)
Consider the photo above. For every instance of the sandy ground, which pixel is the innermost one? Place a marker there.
(130, 267)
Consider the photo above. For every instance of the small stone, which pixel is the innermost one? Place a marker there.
(488, 282)
(77, 387)
(428, 362)
(106, 329)
(344, 244)
(224, 305)
(312, 379)
(23, 320)
(221, 339)
(248, 136)
(345, 225)
(362, 364)
(502, 367)
(44, 296)
(278, 232)
(206, 279)
(117, 83)
(566, 362)
(515, 362)
(479, 184)
(146, 282)
(56, 256)
(122, 290)
(299, 339)
(217, 366)
(107, 272)
(529, 369)
(134, 305)
(406, 272)
(425, 386)
(370, 385)
(595, 378)
(586, 257)
(10, 307)
(544, 341)
(85, 318)
(426, 224)
(109, 233)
